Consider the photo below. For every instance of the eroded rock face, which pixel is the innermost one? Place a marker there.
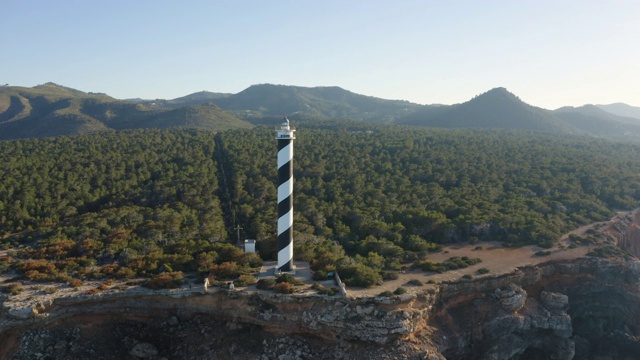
(624, 232)
(572, 310)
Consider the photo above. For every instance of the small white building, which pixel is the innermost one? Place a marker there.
(250, 246)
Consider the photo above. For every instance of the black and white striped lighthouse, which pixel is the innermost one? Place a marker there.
(285, 136)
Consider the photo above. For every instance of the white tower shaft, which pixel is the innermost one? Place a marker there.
(285, 138)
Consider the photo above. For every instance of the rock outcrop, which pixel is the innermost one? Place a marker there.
(575, 309)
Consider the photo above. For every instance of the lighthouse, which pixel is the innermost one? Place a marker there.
(285, 136)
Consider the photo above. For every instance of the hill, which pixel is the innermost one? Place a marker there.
(497, 108)
(500, 109)
(198, 98)
(594, 121)
(621, 109)
(52, 110)
(319, 102)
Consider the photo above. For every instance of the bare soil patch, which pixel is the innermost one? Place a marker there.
(497, 258)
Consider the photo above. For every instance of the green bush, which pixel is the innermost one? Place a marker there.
(400, 291)
(165, 280)
(266, 284)
(483, 271)
(319, 275)
(428, 265)
(386, 293)
(359, 275)
(543, 253)
(460, 262)
(245, 280)
(415, 282)
(289, 279)
(12, 289)
(323, 290)
(253, 260)
(284, 288)
(389, 275)
(226, 270)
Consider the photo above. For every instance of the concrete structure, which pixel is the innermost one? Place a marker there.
(250, 246)
(285, 137)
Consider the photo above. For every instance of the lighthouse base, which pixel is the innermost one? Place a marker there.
(301, 270)
(277, 272)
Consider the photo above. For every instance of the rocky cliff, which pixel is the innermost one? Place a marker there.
(584, 308)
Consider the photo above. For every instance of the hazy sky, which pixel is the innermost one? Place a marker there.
(549, 53)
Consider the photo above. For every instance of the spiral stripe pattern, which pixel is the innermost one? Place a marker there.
(285, 204)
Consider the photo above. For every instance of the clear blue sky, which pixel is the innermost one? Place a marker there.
(549, 53)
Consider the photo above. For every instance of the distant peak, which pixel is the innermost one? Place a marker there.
(52, 85)
(498, 92)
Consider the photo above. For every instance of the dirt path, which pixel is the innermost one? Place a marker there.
(495, 257)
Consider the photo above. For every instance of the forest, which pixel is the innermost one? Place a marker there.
(369, 199)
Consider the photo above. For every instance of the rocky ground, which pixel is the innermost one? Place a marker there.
(200, 337)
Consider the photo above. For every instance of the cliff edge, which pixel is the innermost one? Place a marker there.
(579, 308)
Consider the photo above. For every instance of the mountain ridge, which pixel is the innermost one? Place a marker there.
(51, 109)
(622, 109)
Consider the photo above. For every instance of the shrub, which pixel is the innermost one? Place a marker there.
(482, 271)
(389, 275)
(125, 273)
(253, 260)
(266, 284)
(460, 262)
(165, 280)
(415, 282)
(92, 291)
(543, 253)
(50, 290)
(386, 293)
(323, 290)
(12, 289)
(37, 270)
(109, 269)
(319, 275)
(289, 279)
(467, 277)
(5, 263)
(35, 275)
(607, 251)
(103, 287)
(428, 265)
(359, 275)
(226, 270)
(283, 288)
(75, 283)
(575, 237)
(245, 280)
(400, 291)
